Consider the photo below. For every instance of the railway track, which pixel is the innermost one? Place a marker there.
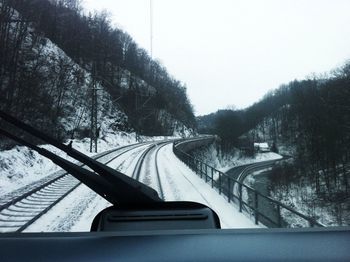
(240, 173)
(20, 211)
(161, 193)
(137, 171)
(248, 195)
(254, 167)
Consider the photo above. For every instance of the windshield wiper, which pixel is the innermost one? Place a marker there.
(107, 182)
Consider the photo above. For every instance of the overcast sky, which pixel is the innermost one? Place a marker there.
(231, 52)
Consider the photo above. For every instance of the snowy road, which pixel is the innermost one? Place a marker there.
(161, 170)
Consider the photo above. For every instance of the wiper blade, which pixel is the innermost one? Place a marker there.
(87, 177)
(121, 189)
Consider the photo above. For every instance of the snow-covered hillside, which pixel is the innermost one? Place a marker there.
(224, 161)
(52, 90)
(317, 190)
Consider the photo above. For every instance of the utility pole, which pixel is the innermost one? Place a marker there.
(151, 26)
(94, 129)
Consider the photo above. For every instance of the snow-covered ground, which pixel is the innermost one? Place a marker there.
(258, 157)
(21, 166)
(305, 199)
(181, 183)
(216, 158)
(178, 182)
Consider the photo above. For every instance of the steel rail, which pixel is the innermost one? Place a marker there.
(46, 184)
(157, 171)
(138, 167)
(54, 192)
(137, 170)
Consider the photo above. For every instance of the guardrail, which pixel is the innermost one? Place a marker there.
(247, 198)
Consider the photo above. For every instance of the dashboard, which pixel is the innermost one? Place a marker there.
(312, 244)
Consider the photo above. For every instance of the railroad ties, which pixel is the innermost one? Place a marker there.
(22, 211)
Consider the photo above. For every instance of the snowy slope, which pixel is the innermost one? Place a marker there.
(66, 88)
(224, 161)
(21, 166)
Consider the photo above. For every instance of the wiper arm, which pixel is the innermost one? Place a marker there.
(85, 176)
(119, 188)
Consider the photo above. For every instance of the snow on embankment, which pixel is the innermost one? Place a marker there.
(62, 92)
(21, 166)
(258, 157)
(179, 182)
(224, 161)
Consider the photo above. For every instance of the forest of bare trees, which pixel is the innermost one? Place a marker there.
(311, 118)
(34, 88)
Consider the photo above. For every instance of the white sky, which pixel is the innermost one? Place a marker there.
(231, 52)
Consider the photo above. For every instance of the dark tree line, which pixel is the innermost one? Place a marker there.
(36, 84)
(312, 116)
(315, 121)
(319, 119)
(109, 54)
(231, 124)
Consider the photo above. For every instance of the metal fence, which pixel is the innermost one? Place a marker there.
(261, 208)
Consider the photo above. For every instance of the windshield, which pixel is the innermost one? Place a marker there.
(242, 106)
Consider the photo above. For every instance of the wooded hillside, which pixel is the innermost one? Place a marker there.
(35, 78)
(310, 117)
